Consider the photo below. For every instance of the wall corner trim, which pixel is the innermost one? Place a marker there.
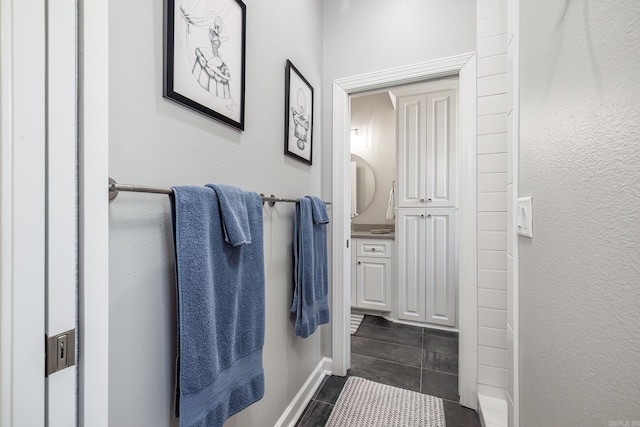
(293, 412)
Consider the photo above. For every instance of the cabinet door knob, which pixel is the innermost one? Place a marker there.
(359, 262)
(421, 200)
(429, 216)
(373, 249)
(428, 200)
(422, 216)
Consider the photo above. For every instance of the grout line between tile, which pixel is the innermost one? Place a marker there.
(421, 359)
(386, 360)
(387, 342)
(440, 372)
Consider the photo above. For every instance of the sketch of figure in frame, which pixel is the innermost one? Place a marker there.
(208, 61)
(301, 122)
(299, 114)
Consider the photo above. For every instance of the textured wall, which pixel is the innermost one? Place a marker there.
(375, 118)
(580, 160)
(159, 143)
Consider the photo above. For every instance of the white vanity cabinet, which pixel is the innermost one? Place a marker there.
(427, 272)
(372, 274)
(427, 150)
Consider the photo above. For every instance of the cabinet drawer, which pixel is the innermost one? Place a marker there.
(375, 248)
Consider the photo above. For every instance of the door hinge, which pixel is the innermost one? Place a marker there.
(347, 243)
(61, 351)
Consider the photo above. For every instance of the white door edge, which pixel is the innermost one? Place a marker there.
(93, 363)
(341, 279)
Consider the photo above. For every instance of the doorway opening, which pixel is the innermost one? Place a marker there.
(462, 66)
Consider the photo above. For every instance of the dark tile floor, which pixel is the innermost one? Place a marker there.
(410, 357)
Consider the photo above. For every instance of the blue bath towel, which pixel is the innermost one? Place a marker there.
(310, 295)
(220, 309)
(234, 214)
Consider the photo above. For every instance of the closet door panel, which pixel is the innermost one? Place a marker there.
(441, 280)
(411, 264)
(441, 154)
(412, 134)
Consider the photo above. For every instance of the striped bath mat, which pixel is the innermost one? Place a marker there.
(356, 319)
(364, 403)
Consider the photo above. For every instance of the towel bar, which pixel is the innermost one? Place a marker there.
(114, 188)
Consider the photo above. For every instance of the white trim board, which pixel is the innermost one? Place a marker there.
(22, 212)
(93, 111)
(300, 401)
(464, 66)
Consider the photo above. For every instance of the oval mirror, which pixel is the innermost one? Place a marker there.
(365, 184)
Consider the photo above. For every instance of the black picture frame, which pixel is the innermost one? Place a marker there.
(298, 113)
(204, 57)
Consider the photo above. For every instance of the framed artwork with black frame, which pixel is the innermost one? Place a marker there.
(298, 113)
(204, 57)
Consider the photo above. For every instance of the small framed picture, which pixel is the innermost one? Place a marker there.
(204, 57)
(298, 106)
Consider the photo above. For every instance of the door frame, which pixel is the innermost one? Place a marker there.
(22, 212)
(93, 201)
(22, 219)
(464, 66)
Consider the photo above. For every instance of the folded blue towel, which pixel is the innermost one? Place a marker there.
(234, 214)
(220, 309)
(310, 295)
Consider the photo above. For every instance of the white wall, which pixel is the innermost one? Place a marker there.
(492, 197)
(375, 119)
(156, 142)
(363, 36)
(579, 159)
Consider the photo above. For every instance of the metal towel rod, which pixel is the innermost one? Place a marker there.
(114, 188)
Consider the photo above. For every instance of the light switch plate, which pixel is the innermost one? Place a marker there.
(524, 216)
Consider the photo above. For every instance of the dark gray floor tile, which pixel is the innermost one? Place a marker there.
(448, 334)
(442, 362)
(440, 344)
(397, 336)
(387, 351)
(459, 416)
(316, 415)
(324, 380)
(331, 389)
(440, 384)
(384, 372)
(384, 323)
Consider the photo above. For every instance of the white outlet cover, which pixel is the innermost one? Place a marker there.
(524, 217)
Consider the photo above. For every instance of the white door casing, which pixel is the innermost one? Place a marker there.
(93, 206)
(465, 66)
(22, 213)
(22, 210)
(38, 211)
(61, 202)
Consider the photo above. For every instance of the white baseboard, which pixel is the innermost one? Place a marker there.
(300, 401)
(492, 411)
